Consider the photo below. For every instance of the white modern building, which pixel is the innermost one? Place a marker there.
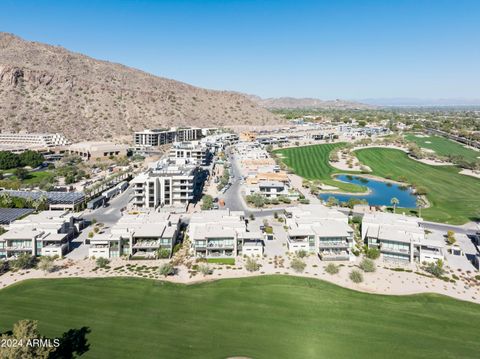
(139, 235)
(222, 234)
(400, 238)
(170, 182)
(162, 136)
(191, 150)
(320, 230)
(47, 233)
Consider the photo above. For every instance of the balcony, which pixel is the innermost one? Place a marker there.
(339, 244)
(395, 250)
(146, 244)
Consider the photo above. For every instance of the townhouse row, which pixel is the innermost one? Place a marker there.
(47, 233)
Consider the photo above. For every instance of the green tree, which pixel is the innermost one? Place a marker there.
(31, 158)
(24, 261)
(8, 160)
(25, 330)
(207, 202)
(21, 173)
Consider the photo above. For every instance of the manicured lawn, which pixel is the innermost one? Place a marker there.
(227, 261)
(311, 162)
(261, 317)
(34, 178)
(454, 198)
(444, 147)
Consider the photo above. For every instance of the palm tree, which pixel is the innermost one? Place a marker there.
(419, 204)
(394, 202)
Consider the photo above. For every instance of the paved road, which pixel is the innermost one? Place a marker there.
(233, 197)
(112, 213)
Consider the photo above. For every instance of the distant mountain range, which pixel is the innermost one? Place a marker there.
(307, 103)
(418, 102)
(47, 88)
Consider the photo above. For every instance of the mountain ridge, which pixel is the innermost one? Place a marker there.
(45, 88)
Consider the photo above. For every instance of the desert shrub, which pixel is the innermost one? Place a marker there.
(436, 269)
(166, 269)
(372, 253)
(252, 265)
(24, 261)
(102, 262)
(163, 253)
(367, 265)
(302, 253)
(205, 269)
(297, 265)
(356, 276)
(46, 264)
(332, 269)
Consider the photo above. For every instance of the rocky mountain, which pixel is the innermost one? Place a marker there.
(47, 88)
(307, 103)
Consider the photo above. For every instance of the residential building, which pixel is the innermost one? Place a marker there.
(320, 230)
(139, 235)
(170, 182)
(400, 238)
(47, 233)
(222, 234)
(191, 150)
(162, 136)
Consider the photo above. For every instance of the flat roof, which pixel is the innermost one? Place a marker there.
(8, 215)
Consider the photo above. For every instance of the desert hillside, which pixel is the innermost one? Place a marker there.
(50, 89)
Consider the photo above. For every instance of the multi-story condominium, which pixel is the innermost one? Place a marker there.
(162, 136)
(400, 238)
(321, 230)
(33, 140)
(222, 234)
(140, 235)
(168, 183)
(191, 150)
(45, 234)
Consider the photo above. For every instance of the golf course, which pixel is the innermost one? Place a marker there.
(444, 147)
(312, 163)
(259, 317)
(453, 198)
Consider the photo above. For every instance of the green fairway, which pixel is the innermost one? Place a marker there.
(454, 198)
(312, 163)
(444, 147)
(260, 317)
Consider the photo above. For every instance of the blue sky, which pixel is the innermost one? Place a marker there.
(326, 49)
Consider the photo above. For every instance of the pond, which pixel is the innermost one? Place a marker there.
(380, 192)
